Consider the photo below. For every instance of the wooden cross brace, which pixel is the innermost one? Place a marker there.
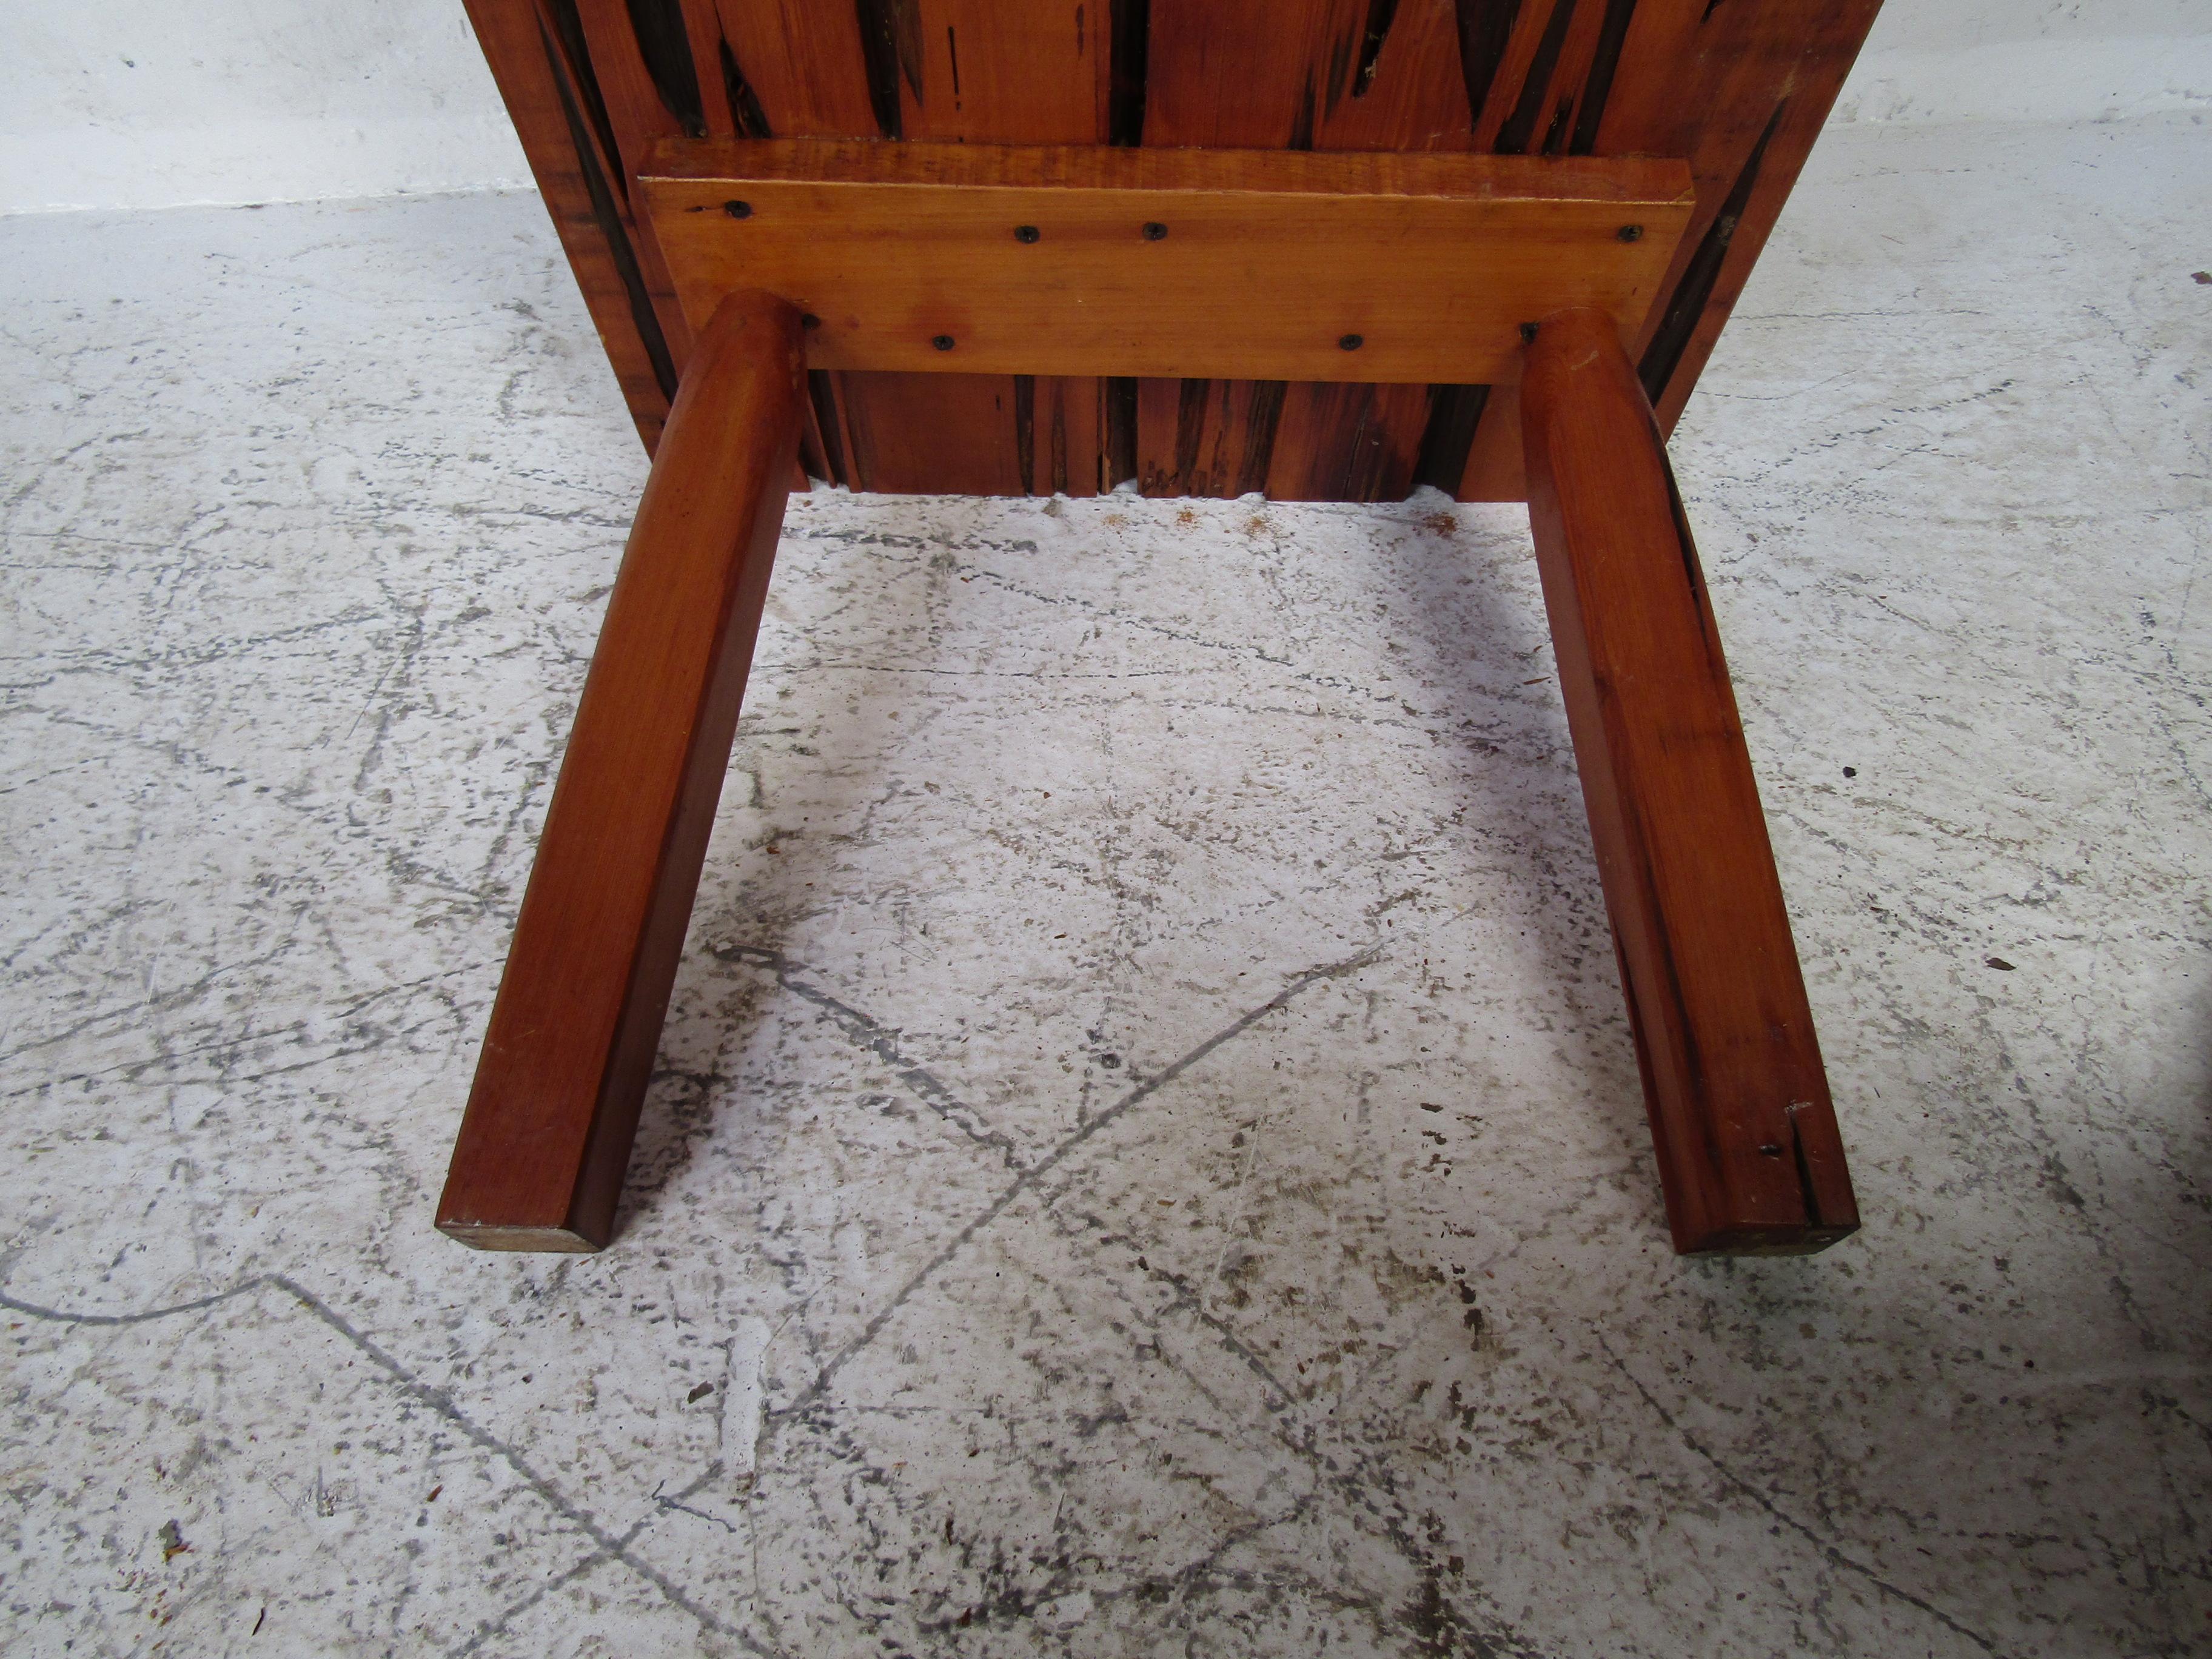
(1118, 261)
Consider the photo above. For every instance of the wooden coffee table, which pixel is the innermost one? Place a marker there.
(1328, 249)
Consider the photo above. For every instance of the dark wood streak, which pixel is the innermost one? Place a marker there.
(608, 216)
(1687, 306)
(662, 42)
(1521, 126)
(1190, 429)
(576, 54)
(1117, 458)
(1598, 85)
(891, 44)
(1265, 417)
(1125, 120)
(745, 111)
(1302, 127)
(1453, 413)
(1025, 430)
(1693, 574)
(1484, 29)
(1381, 14)
(1555, 136)
(821, 392)
(1059, 446)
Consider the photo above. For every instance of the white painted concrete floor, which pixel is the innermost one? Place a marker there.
(1149, 1157)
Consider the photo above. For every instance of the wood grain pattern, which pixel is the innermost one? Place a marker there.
(949, 70)
(540, 1160)
(1768, 72)
(1739, 89)
(525, 62)
(1299, 75)
(927, 259)
(640, 109)
(1749, 1154)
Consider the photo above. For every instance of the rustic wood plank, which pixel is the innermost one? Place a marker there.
(1206, 437)
(1768, 73)
(702, 29)
(886, 67)
(1229, 73)
(1741, 90)
(538, 1163)
(1349, 442)
(907, 433)
(803, 66)
(642, 107)
(554, 135)
(1749, 1154)
(1328, 74)
(988, 73)
(1060, 429)
(925, 259)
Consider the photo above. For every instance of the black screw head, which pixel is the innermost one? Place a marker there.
(1155, 231)
(1352, 342)
(942, 341)
(1026, 232)
(808, 319)
(739, 210)
(1629, 232)
(1769, 1150)
(1527, 334)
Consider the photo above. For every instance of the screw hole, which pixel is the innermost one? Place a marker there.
(1769, 1150)
(1155, 231)
(1026, 232)
(739, 210)
(808, 319)
(1527, 333)
(942, 341)
(1629, 232)
(1351, 343)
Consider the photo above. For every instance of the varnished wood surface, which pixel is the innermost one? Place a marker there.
(1738, 89)
(1043, 260)
(1748, 1150)
(539, 1161)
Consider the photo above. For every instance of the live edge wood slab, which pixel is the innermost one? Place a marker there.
(1324, 249)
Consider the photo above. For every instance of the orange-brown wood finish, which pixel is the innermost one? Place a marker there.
(1749, 1155)
(1083, 260)
(1001, 336)
(1739, 90)
(543, 1146)
(964, 70)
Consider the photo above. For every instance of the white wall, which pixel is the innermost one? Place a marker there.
(155, 103)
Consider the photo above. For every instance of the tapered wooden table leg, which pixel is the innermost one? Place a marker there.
(1748, 1151)
(539, 1162)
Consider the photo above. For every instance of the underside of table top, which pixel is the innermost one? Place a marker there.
(1737, 88)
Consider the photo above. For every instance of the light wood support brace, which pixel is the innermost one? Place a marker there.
(539, 1163)
(1748, 1151)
